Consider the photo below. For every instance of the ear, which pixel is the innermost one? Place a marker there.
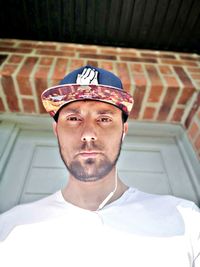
(54, 125)
(125, 130)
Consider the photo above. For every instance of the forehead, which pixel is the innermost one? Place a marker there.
(91, 107)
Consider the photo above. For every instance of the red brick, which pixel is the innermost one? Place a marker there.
(16, 50)
(178, 113)
(45, 46)
(42, 72)
(75, 64)
(40, 85)
(15, 59)
(109, 57)
(108, 51)
(196, 76)
(137, 59)
(171, 81)
(154, 55)
(193, 111)
(167, 103)
(197, 143)
(93, 63)
(190, 58)
(118, 53)
(183, 77)
(155, 94)
(28, 105)
(164, 69)
(167, 56)
(128, 51)
(186, 95)
(195, 70)
(86, 50)
(8, 69)
(199, 114)
(138, 97)
(27, 45)
(70, 45)
(153, 75)
(36, 45)
(140, 80)
(108, 65)
(47, 61)
(2, 108)
(67, 48)
(123, 74)
(24, 86)
(179, 62)
(126, 54)
(149, 113)
(54, 53)
(9, 91)
(59, 69)
(193, 130)
(136, 68)
(6, 43)
(27, 67)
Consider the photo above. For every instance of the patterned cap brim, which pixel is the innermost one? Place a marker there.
(56, 97)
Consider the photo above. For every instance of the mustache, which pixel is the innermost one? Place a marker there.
(90, 146)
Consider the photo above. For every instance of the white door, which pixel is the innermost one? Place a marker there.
(34, 169)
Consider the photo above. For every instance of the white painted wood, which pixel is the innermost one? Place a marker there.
(152, 160)
(8, 134)
(160, 167)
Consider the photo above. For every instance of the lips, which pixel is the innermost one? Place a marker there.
(89, 153)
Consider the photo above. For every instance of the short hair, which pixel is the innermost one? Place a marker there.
(124, 117)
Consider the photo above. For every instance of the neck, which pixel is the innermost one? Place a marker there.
(96, 194)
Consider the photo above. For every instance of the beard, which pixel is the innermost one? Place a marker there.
(91, 169)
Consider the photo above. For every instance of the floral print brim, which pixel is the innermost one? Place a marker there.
(56, 97)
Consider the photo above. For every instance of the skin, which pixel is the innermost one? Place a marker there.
(89, 135)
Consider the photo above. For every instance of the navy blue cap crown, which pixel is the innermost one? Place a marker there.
(104, 77)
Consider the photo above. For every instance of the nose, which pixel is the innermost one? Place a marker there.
(88, 133)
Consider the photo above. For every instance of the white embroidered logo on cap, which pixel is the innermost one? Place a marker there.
(88, 76)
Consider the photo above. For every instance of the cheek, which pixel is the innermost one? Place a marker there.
(112, 142)
(66, 141)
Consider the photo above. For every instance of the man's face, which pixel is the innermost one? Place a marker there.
(89, 136)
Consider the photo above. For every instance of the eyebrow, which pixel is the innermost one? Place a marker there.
(77, 111)
(72, 110)
(105, 111)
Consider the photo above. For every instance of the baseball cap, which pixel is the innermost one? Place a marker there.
(87, 83)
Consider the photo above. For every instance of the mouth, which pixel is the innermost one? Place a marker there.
(89, 154)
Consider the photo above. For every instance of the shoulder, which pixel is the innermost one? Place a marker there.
(168, 200)
(169, 214)
(28, 213)
(164, 204)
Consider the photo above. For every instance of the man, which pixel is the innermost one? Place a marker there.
(96, 220)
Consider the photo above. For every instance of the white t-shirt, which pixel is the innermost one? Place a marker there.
(138, 229)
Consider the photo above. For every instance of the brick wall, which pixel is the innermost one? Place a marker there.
(165, 85)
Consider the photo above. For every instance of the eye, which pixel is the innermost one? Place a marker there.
(73, 118)
(104, 119)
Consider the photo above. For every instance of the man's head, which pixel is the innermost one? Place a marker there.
(90, 134)
(90, 109)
